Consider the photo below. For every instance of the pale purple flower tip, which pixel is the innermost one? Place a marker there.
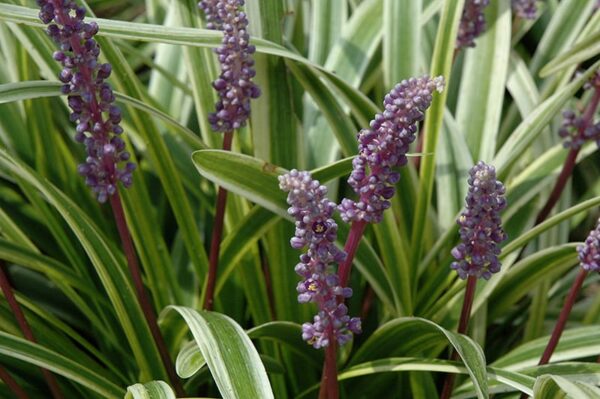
(316, 229)
(575, 129)
(480, 225)
(589, 252)
(89, 97)
(383, 147)
(234, 86)
(526, 9)
(472, 23)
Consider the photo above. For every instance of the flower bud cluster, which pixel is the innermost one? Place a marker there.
(576, 129)
(526, 9)
(234, 85)
(480, 225)
(89, 97)
(589, 252)
(472, 23)
(383, 147)
(316, 229)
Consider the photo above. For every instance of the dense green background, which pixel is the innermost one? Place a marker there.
(324, 67)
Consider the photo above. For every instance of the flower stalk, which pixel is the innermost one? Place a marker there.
(9, 295)
(582, 126)
(589, 258)
(235, 89)
(217, 233)
(98, 127)
(577, 131)
(480, 233)
(463, 325)
(140, 290)
(12, 384)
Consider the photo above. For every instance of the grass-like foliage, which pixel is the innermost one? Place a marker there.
(299, 198)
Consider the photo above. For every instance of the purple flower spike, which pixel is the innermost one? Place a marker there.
(589, 252)
(383, 147)
(472, 23)
(316, 230)
(234, 85)
(526, 9)
(576, 129)
(89, 97)
(480, 225)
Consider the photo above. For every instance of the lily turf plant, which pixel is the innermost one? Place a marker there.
(298, 199)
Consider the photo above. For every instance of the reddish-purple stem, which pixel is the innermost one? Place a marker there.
(356, 233)
(463, 325)
(562, 320)
(12, 384)
(25, 328)
(569, 164)
(217, 233)
(329, 384)
(136, 275)
(563, 317)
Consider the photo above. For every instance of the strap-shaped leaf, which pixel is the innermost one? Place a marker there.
(230, 355)
(413, 335)
(256, 180)
(554, 386)
(107, 265)
(189, 360)
(26, 351)
(150, 390)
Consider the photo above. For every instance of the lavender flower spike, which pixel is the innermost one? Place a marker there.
(480, 225)
(234, 85)
(316, 229)
(526, 9)
(472, 23)
(589, 252)
(384, 146)
(90, 98)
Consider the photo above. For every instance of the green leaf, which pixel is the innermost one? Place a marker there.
(575, 343)
(257, 181)
(518, 381)
(483, 83)
(109, 268)
(582, 51)
(564, 27)
(412, 335)
(441, 64)
(401, 40)
(18, 91)
(26, 351)
(289, 334)
(338, 121)
(150, 390)
(533, 125)
(522, 277)
(328, 17)
(249, 177)
(554, 386)
(189, 360)
(230, 355)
